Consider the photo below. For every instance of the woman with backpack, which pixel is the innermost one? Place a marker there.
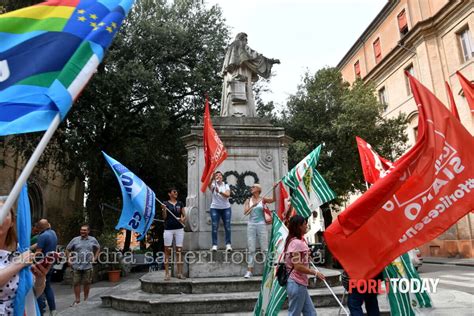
(256, 227)
(297, 255)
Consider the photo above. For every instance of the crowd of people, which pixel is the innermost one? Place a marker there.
(83, 250)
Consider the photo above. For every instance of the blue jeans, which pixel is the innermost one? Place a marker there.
(216, 215)
(355, 300)
(299, 300)
(47, 295)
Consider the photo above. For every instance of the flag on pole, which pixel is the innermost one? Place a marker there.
(405, 304)
(401, 268)
(48, 53)
(373, 165)
(214, 150)
(429, 189)
(272, 295)
(468, 89)
(282, 201)
(138, 200)
(310, 190)
(452, 104)
(25, 300)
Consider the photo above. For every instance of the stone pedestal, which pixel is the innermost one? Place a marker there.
(257, 152)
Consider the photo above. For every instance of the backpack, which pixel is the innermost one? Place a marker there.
(282, 274)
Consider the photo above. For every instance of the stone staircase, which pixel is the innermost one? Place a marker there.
(152, 295)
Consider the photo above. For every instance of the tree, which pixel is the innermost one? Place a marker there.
(147, 92)
(326, 110)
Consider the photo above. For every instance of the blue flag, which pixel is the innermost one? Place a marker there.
(25, 300)
(138, 200)
(48, 53)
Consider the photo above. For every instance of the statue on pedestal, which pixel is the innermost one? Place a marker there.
(242, 66)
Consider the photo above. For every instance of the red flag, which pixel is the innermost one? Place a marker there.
(214, 151)
(452, 105)
(468, 89)
(374, 166)
(429, 189)
(282, 201)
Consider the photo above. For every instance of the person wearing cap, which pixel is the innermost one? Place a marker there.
(256, 227)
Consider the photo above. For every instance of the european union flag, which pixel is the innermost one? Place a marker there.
(48, 53)
(138, 200)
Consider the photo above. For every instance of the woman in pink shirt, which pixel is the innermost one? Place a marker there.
(297, 260)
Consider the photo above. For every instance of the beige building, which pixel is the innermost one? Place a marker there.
(50, 195)
(431, 39)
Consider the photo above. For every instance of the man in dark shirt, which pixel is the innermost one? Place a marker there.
(46, 243)
(174, 216)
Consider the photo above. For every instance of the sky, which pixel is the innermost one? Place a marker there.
(305, 35)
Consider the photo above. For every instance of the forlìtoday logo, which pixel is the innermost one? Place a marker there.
(395, 285)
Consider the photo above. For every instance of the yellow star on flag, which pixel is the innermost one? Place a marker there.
(101, 23)
(93, 24)
(95, 28)
(114, 25)
(81, 18)
(108, 28)
(93, 16)
(81, 11)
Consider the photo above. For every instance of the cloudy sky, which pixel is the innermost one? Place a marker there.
(304, 34)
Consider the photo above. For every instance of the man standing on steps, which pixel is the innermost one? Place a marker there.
(81, 252)
(46, 243)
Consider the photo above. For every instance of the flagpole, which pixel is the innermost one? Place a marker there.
(330, 290)
(266, 193)
(158, 200)
(15, 192)
(325, 282)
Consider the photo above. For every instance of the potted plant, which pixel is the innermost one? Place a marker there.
(111, 255)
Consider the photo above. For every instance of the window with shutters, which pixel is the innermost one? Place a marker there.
(466, 44)
(383, 97)
(377, 51)
(357, 69)
(402, 23)
(411, 71)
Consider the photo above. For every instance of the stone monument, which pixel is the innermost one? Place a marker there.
(257, 150)
(242, 67)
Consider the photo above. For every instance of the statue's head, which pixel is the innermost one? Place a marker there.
(241, 37)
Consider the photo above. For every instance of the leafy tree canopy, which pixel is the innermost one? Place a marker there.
(147, 92)
(326, 110)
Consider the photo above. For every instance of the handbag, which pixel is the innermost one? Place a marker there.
(267, 214)
(282, 274)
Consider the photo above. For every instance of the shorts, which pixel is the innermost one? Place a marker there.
(177, 234)
(81, 276)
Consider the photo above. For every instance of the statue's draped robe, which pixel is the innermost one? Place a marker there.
(241, 63)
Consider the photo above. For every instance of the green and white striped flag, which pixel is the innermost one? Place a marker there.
(272, 295)
(405, 304)
(310, 190)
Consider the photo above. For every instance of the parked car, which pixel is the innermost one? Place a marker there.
(416, 258)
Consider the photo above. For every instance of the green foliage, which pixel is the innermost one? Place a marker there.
(145, 95)
(11, 5)
(326, 110)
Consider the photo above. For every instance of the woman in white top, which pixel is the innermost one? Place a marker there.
(220, 208)
(256, 227)
(10, 265)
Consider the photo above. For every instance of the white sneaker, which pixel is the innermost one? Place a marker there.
(214, 248)
(228, 247)
(248, 275)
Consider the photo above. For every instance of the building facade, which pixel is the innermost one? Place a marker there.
(431, 39)
(50, 195)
